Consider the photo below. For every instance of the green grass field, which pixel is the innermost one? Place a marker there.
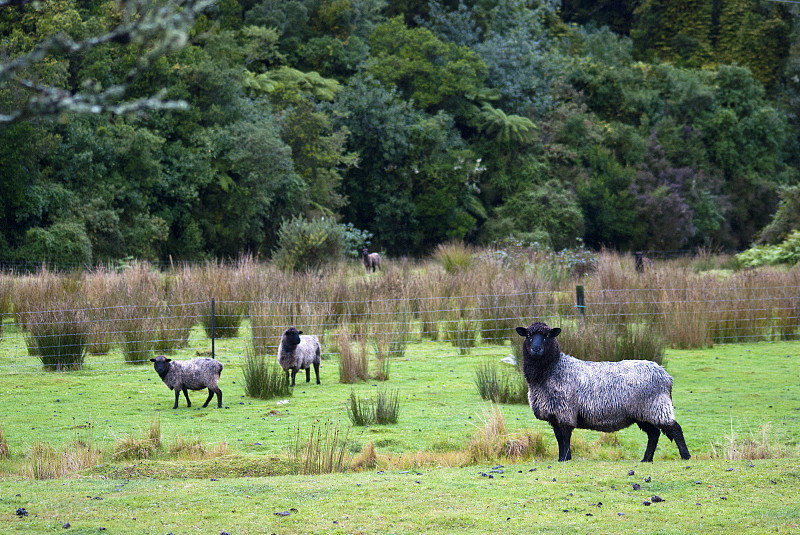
(727, 396)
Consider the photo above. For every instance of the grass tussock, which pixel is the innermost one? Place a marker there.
(43, 461)
(353, 363)
(384, 410)
(193, 448)
(761, 444)
(4, 451)
(264, 378)
(492, 441)
(454, 257)
(603, 342)
(506, 385)
(144, 446)
(322, 451)
(60, 338)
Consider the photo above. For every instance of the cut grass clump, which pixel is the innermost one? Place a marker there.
(193, 448)
(263, 378)
(492, 442)
(322, 451)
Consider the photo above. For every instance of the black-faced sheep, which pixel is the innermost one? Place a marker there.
(604, 396)
(371, 260)
(194, 374)
(641, 262)
(298, 352)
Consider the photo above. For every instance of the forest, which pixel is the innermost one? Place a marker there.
(401, 125)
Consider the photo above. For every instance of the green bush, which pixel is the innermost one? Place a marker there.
(786, 252)
(304, 244)
(62, 245)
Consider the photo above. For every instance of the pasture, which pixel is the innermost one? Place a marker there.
(99, 446)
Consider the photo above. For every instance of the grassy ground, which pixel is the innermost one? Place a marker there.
(723, 397)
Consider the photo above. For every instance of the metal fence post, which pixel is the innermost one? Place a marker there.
(580, 303)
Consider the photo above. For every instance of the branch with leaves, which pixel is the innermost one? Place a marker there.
(158, 29)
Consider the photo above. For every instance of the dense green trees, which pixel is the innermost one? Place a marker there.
(647, 125)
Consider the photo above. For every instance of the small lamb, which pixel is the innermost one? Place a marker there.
(604, 396)
(194, 374)
(371, 260)
(298, 352)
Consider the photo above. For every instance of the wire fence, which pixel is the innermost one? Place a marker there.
(122, 337)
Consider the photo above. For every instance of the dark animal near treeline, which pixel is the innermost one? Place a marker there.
(569, 393)
(371, 260)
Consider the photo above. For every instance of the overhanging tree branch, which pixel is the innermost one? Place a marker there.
(159, 28)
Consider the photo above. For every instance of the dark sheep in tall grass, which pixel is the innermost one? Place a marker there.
(194, 374)
(371, 260)
(570, 393)
(641, 262)
(299, 351)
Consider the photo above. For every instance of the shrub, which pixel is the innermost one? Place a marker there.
(63, 245)
(304, 244)
(786, 252)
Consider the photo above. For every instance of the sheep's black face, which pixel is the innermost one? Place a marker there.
(537, 337)
(161, 365)
(292, 336)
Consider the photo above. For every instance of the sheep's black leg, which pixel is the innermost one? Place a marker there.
(563, 436)
(219, 398)
(210, 397)
(652, 440)
(675, 433)
(177, 396)
(186, 395)
(294, 373)
(308, 375)
(287, 377)
(316, 370)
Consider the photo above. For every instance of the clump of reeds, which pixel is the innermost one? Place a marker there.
(461, 329)
(384, 410)
(322, 451)
(264, 378)
(219, 286)
(454, 256)
(602, 342)
(144, 446)
(59, 338)
(500, 386)
(353, 364)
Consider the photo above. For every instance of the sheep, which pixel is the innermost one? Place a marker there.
(570, 393)
(194, 374)
(371, 260)
(299, 353)
(641, 262)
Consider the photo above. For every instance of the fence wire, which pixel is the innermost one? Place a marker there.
(122, 337)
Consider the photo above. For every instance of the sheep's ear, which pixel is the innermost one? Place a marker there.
(522, 331)
(299, 332)
(152, 360)
(555, 332)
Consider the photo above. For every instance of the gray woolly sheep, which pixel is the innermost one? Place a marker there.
(194, 374)
(371, 260)
(641, 262)
(604, 396)
(298, 352)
